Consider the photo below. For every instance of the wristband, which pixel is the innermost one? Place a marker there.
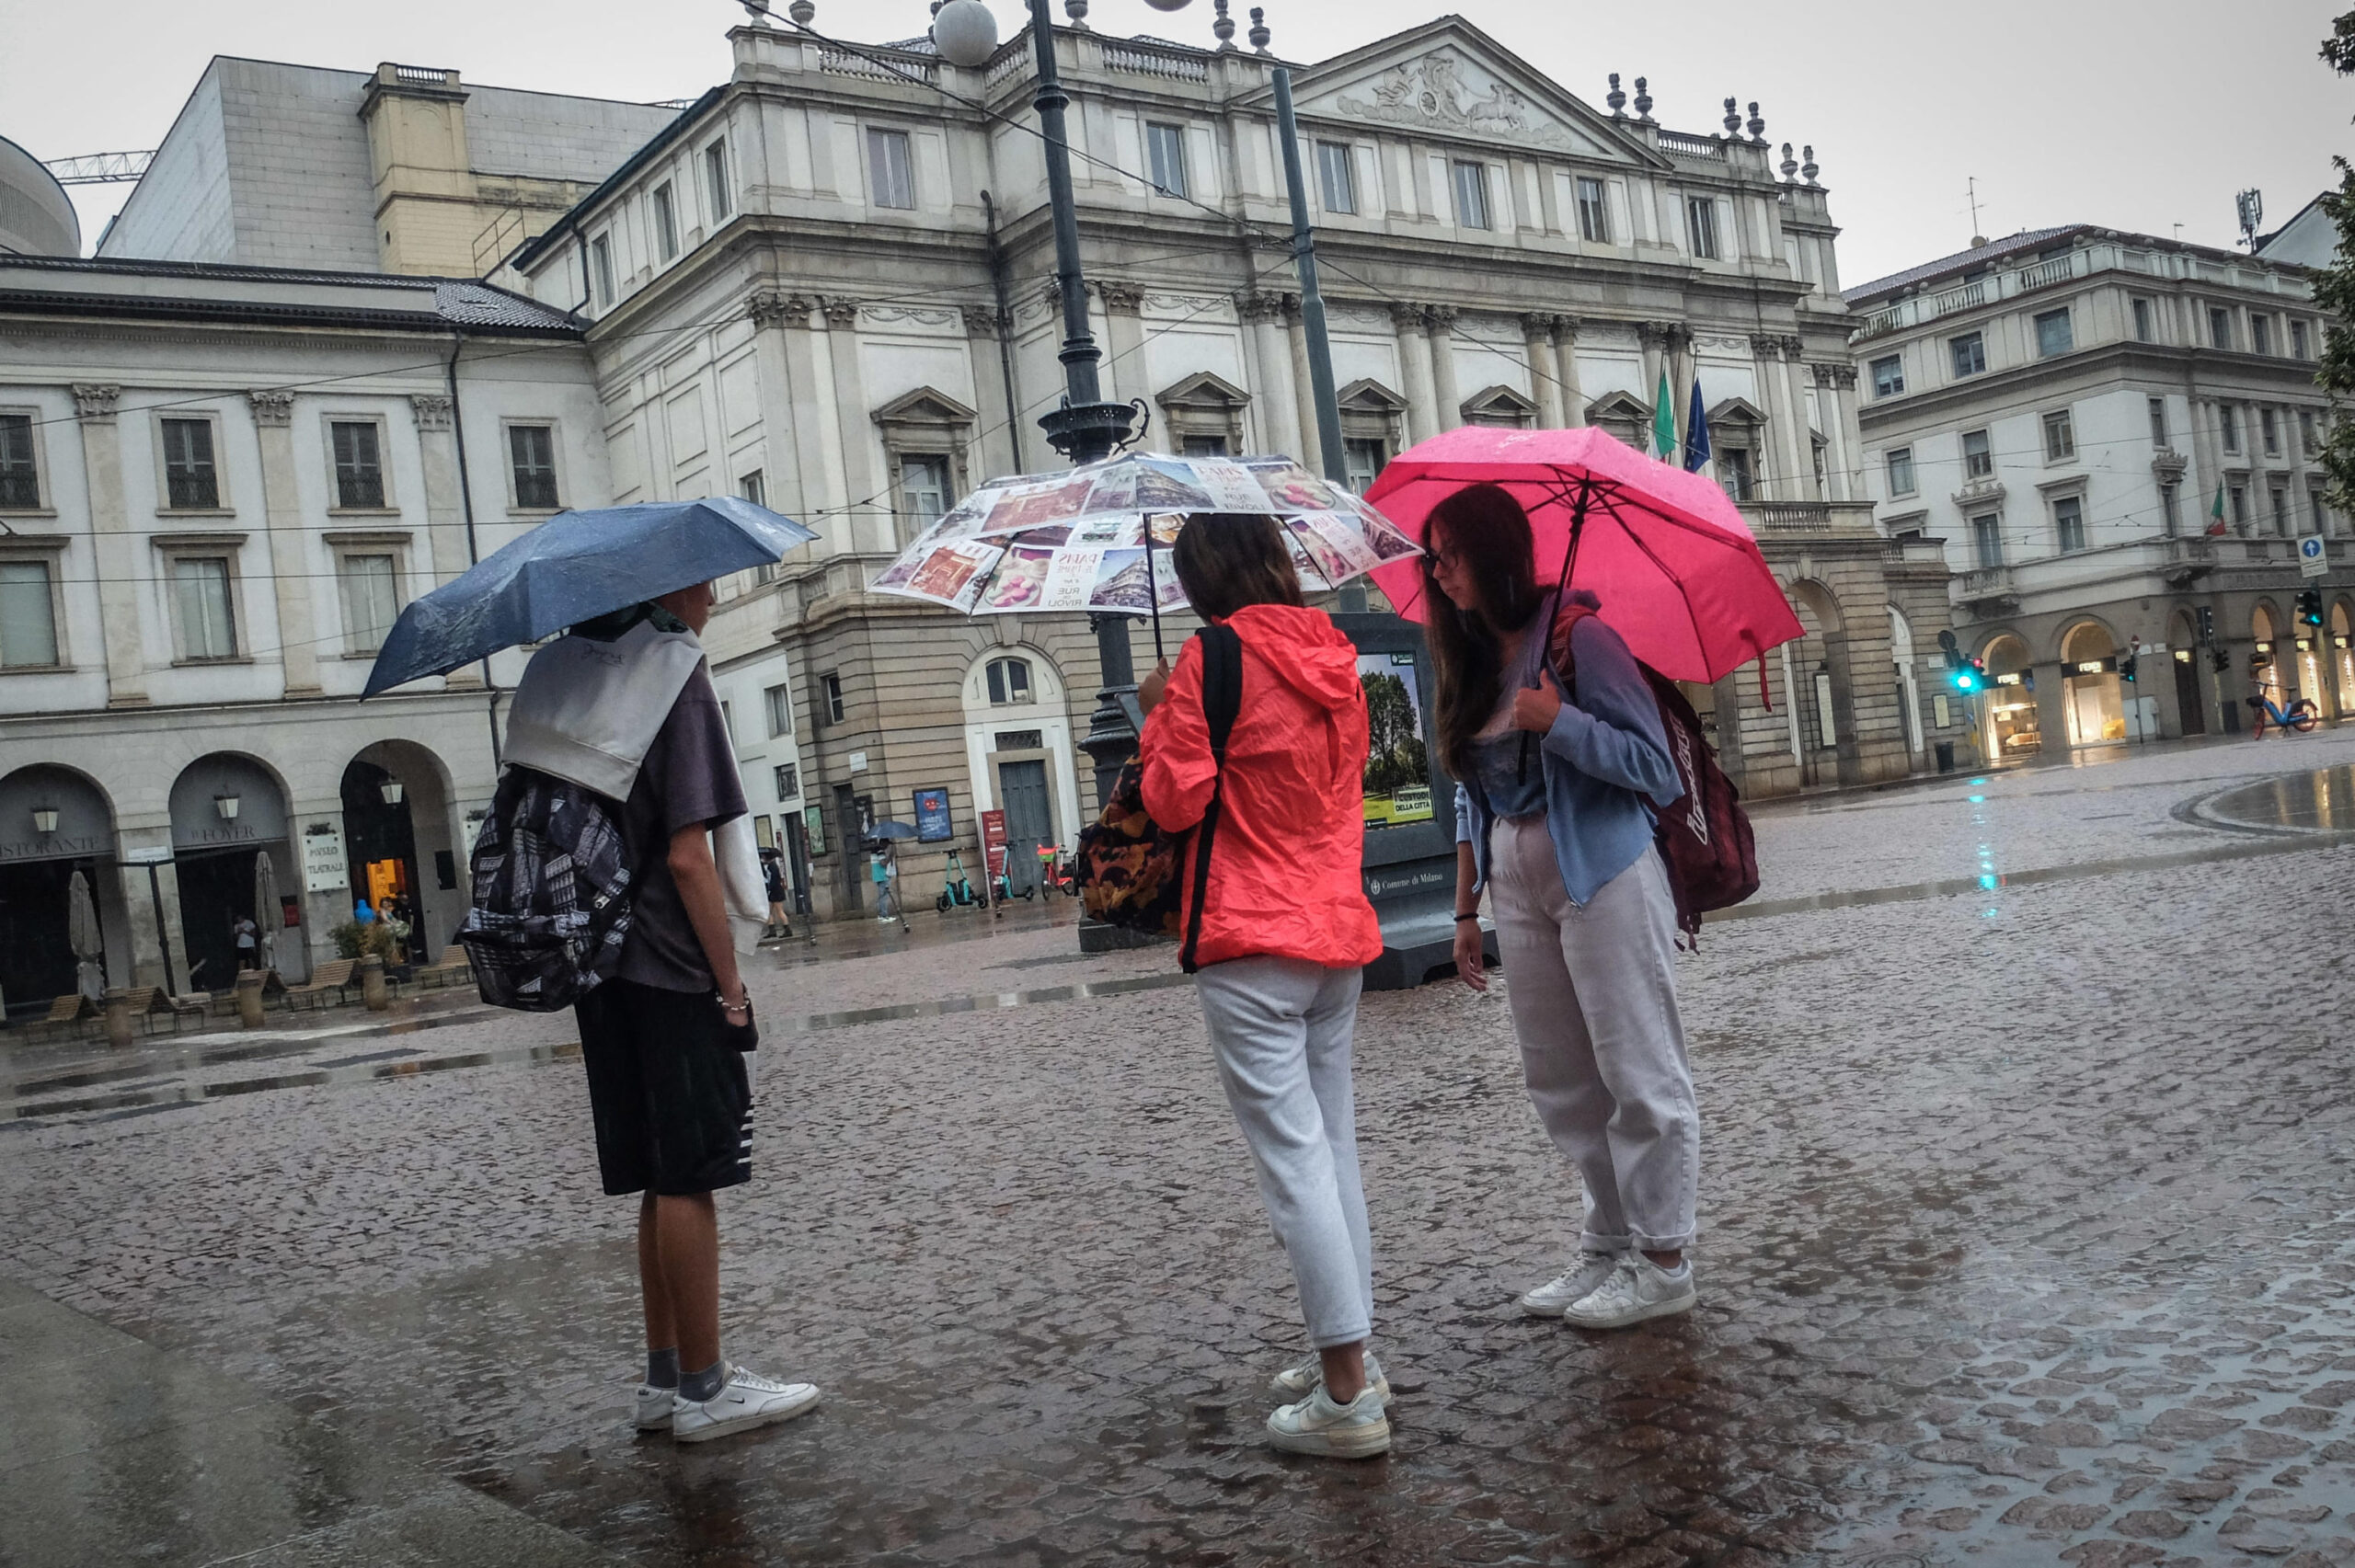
(1461, 919)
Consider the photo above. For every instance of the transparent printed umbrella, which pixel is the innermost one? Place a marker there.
(1094, 538)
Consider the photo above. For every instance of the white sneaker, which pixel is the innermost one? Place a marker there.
(1358, 1430)
(1637, 1289)
(747, 1400)
(1305, 1375)
(654, 1407)
(1581, 1279)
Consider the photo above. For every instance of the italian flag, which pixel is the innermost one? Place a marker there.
(2216, 512)
(1663, 423)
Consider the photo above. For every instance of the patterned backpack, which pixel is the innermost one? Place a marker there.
(552, 894)
(1129, 865)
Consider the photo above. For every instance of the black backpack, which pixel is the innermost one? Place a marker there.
(552, 894)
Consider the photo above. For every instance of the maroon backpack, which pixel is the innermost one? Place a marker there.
(1704, 836)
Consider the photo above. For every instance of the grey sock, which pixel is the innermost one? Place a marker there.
(697, 1387)
(662, 1369)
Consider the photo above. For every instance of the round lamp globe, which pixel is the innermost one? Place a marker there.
(965, 32)
(1168, 5)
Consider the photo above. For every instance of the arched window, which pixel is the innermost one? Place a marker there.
(1009, 681)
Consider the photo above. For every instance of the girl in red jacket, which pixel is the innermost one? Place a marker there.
(1286, 930)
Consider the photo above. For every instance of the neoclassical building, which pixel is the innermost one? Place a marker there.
(827, 284)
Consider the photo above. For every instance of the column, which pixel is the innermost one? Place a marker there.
(1125, 363)
(2051, 708)
(1441, 320)
(151, 900)
(285, 541)
(120, 570)
(1566, 367)
(1677, 346)
(777, 315)
(1537, 348)
(1303, 387)
(1778, 480)
(1794, 374)
(868, 524)
(993, 442)
(1277, 399)
(328, 903)
(1839, 463)
(1415, 370)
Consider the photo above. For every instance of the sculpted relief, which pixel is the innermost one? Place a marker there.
(1444, 92)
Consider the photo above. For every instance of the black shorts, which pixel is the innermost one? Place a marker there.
(672, 1094)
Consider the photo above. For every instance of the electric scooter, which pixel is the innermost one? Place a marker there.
(958, 890)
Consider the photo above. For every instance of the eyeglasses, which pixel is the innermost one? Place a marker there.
(1446, 560)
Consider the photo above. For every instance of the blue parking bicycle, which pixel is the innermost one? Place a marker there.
(2301, 715)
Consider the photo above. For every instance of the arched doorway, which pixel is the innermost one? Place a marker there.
(2010, 728)
(55, 825)
(227, 812)
(2342, 656)
(397, 839)
(1815, 670)
(1909, 695)
(2183, 658)
(2094, 705)
(2264, 662)
(1018, 754)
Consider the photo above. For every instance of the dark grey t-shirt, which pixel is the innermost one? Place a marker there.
(689, 776)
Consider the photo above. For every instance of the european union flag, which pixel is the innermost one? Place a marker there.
(1697, 434)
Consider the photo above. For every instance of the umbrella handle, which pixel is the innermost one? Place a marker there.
(1578, 526)
(1153, 591)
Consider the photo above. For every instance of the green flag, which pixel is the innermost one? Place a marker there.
(1664, 423)
(2216, 512)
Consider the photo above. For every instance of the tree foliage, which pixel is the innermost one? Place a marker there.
(1396, 755)
(2334, 289)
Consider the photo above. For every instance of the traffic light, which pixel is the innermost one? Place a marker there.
(2207, 627)
(2310, 607)
(2126, 662)
(1968, 676)
(2219, 660)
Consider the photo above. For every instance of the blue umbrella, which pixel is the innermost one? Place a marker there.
(575, 568)
(890, 831)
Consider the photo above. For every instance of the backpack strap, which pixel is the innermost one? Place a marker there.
(1222, 701)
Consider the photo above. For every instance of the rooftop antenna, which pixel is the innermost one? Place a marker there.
(2250, 205)
(1971, 191)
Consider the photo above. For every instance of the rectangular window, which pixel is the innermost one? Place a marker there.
(789, 781)
(2260, 335)
(1701, 219)
(2158, 422)
(1202, 446)
(715, 180)
(2220, 328)
(19, 475)
(28, 616)
(1336, 173)
(207, 622)
(2315, 511)
(2069, 522)
(1978, 456)
(2281, 510)
(780, 706)
(666, 221)
(1970, 354)
(359, 464)
(2307, 432)
(2053, 333)
(370, 600)
(2239, 495)
(1164, 148)
(2269, 425)
(2060, 437)
(1733, 471)
(1888, 375)
(755, 489)
(190, 480)
(532, 451)
(1901, 471)
(1594, 212)
(2228, 421)
(889, 169)
(601, 262)
(1472, 195)
(2300, 348)
(830, 693)
(1987, 541)
(924, 494)
(1364, 458)
(2143, 327)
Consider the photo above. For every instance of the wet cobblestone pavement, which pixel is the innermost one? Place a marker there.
(2026, 1208)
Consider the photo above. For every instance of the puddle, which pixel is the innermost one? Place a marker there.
(345, 1071)
(2321, 801)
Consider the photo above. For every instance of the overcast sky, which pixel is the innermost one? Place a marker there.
(2137, 114)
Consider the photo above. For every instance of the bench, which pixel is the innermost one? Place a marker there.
(65, 1012)
(455, 968)
(335, 975)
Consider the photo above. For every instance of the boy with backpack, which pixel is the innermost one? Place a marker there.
(597, 882)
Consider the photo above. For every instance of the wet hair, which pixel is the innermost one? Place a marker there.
(1485, 528)
(1227, 560)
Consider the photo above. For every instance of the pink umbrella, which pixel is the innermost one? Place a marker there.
(1679, 574)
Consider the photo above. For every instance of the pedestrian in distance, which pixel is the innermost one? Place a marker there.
(664, 1035)
(363, 913)
(245, 937)
(1285, 932)
(772, 885)
(1553, 800)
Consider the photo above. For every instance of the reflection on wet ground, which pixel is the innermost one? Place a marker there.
(2320, 801)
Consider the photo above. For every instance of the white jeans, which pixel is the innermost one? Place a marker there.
(1593, 1002)
(1281, 1030)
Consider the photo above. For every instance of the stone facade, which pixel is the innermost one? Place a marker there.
(832, 282)
(2070, 406)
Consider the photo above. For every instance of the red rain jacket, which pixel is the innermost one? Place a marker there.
(1285, 864)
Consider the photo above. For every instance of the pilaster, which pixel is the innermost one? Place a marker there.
(1415, 370)
(445, 511)
(284, 538)
(1124, 369)
(993, 440)
(776, 318)
(1303, 387)
(1538, 349)
(1566, 368)
(1274, 399)
(1441, 323)
(119, 568)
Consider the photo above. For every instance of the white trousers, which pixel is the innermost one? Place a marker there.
(1593, 1002)
(1281, 1029)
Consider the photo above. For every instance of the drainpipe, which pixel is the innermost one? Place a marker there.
(1004, 340)
(466, 502)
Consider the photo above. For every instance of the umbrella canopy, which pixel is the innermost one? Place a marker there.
(1090, 538)
(575, 568)
(1667, 551)
(266, 915)
(84, 935)
(890, 831)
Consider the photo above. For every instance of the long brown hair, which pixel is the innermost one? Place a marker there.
(1485, 528)
(1226, 560)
